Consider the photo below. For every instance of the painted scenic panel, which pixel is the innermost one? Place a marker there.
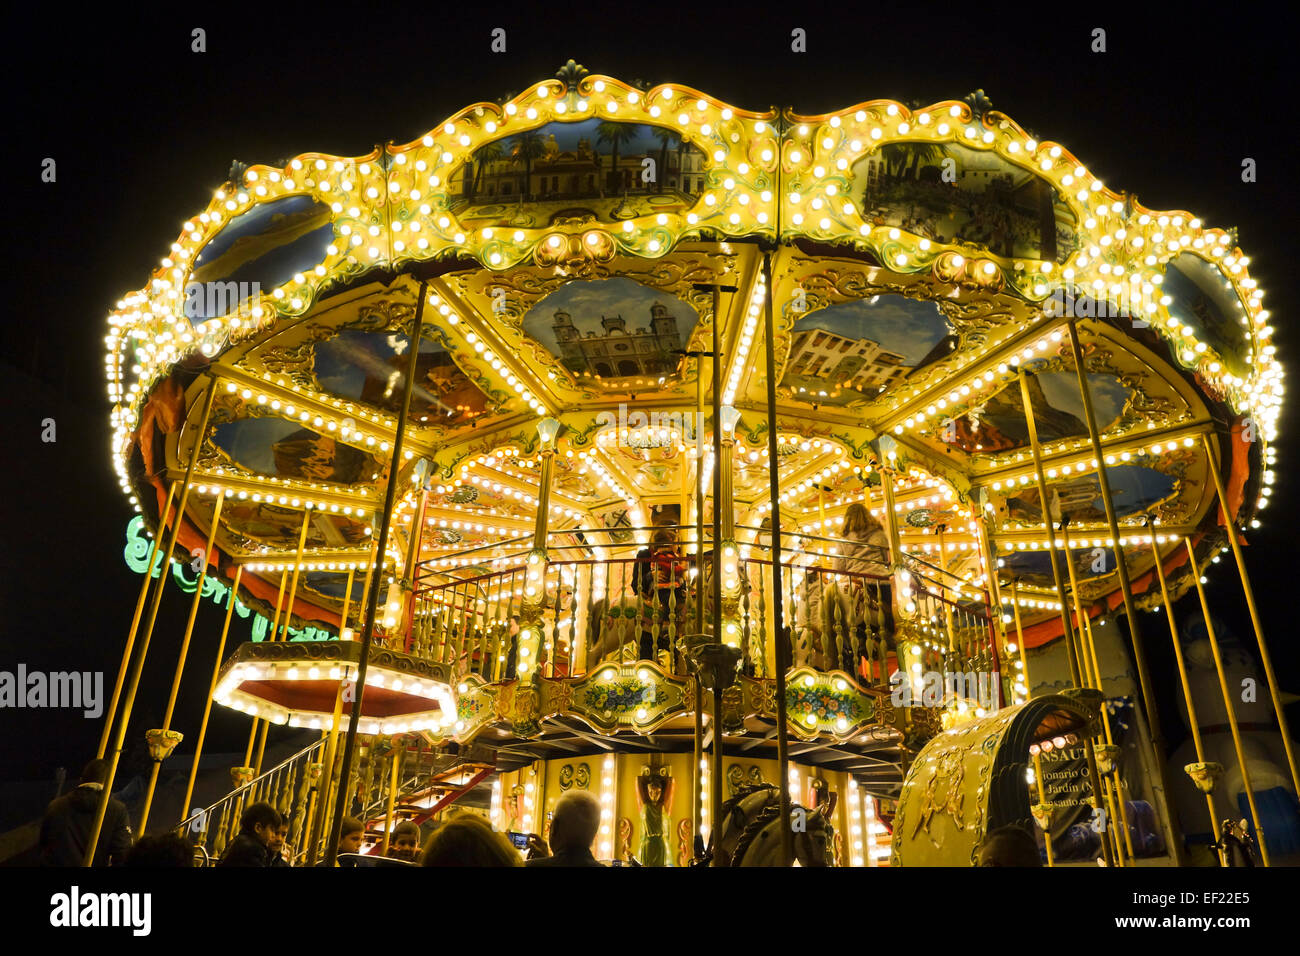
(854, 351)
(1203, 299)
(257, 524)
(1000, 424)
(1133, 488)
(370, 367)
(602, 169)
(284, 449)
(613, 330)
(262, 248)
(949, 193)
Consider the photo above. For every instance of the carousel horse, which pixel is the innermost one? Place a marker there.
(751, 831)
(612, 627)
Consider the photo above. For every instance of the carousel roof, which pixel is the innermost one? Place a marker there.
(920, 258)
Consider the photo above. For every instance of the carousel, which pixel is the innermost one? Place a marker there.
(740, 468)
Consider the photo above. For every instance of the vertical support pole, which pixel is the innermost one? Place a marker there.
(716, 623)
(1278, 706)
(891, 516)
(327, 775)
(138, 668)
(297, 569)
(1126, 588)
(1067, 630)
(372, 598)
(1038, 758)
(413, 548)
(180, 662)
(347, 600)
(699, 500)
(1192, 719)
(1227, 703)
(394, 766)
(1057, 578)
(135, 619)
(212, 689)
(778, 615)
(989, 553)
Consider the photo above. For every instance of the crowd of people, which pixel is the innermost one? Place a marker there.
(462, 839)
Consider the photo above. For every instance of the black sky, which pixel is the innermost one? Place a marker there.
(143, 130)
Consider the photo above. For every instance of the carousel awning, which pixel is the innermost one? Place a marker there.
(298, 684)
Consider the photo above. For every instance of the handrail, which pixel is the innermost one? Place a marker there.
(292, 777)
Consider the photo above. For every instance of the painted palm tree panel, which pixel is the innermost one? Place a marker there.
(949, 193)
(596, 169)
(1000, 424)
(284, 449)
(259, 250)
(614, 332)
(370, 367)
(1203, 299)
(852, 352)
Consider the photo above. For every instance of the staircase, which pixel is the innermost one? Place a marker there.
(429, 779)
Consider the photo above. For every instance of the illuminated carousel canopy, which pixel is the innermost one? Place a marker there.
(921, 261)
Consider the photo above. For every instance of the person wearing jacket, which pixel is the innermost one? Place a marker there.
(257, 829)
(839, 609)
(70, 819)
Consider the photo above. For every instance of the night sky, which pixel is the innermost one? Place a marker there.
(143, 130)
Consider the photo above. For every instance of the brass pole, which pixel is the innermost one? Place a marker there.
(279, 603)
(891, 516)
(1118, 782)
(783, 654)
(258, 722)
(347, 597)
(261, 749)
(697, 773)
(1278, 706)
(212, 689)
(327, 774)
(1038, 757)
(372, 599)
(1192, 720)
(989, 553)
(392, 799)
(297, 569)
(1126, 588)
(699, 499)
(1066, 630)
(138, 667)
(135, 620)
(180, 662)
(1227, 701)
(1020, 636)
(1092, 674)
(413, 559)
(718, 504)
(1088, 674)
(370, 573)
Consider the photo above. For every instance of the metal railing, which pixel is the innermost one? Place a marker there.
(844, 608)
(289, 787)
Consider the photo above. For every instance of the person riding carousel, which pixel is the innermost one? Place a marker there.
(660, 582)
(854, 608)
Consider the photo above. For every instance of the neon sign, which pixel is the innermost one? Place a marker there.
(136, 555)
